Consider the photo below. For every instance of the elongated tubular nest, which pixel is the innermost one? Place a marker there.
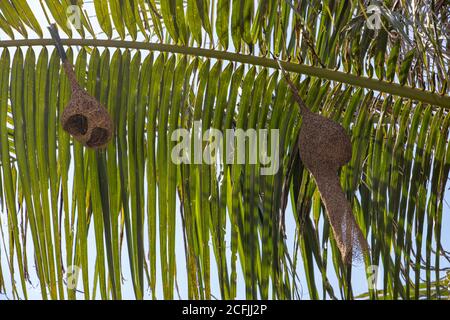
(325, 147)
(86, 119)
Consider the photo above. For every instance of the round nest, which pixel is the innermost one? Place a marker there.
(86, 119)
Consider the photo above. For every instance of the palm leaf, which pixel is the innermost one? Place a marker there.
(387, 87)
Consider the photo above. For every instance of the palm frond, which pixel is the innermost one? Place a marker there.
(209, 61)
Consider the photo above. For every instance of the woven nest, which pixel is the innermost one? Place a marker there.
(84, 117)
(325, 147)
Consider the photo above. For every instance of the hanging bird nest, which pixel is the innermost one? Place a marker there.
(85, 118)
(324, 148)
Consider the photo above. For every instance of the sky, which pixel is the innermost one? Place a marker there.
(358, 277)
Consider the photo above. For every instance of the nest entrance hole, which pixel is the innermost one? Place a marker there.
(76, 125)
(99, 137)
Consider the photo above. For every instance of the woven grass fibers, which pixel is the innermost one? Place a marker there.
(325, 147)
(86, 119)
